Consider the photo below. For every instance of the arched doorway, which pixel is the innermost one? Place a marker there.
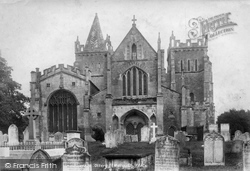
(62, 111)
(133, 121)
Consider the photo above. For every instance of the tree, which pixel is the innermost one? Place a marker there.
(12, 102)
(237, 119)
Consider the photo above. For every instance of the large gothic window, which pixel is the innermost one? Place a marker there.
(62, 113)
(135, 82)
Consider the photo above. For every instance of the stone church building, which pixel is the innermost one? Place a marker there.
(125, 88)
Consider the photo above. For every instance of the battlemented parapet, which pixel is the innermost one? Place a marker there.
(71, 70)
(178, 44)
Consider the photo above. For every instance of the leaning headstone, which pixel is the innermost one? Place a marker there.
(58, 137)
(134, 138)
(246, 157)
(13, 135)
(181, 137)
(166, 154)
(1, 138)
(26, 134)
(237, 134)
(110, 139)
(237, 146)
(76, 157)
(214, 149)
(145, 134)
(213, 127)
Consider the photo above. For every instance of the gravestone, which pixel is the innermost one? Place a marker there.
(13, 135)
(76, 157)
(110, 139)
(73, 134)
(58, 137)
(181, 137)
(1, 138)
(246, 157)
(26, 134)
(119, 136)
(214, 149)
(51, 138)
(134, 138)
(225, 131)
(166, 154)
(153, 126)
(244, 137)
(237, 146)
(5, 138)
(237, 134)
(145, 134)
(127, 138)
(213, 127)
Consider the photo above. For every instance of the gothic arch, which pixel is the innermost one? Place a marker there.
(62, 111)
(51, 94)
(115, 121)
(133, 121)
(135, 82)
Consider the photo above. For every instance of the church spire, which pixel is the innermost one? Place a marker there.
(95, 41)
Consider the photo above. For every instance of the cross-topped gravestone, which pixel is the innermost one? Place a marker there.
(134, 20)
(32, 114)
(153, 139)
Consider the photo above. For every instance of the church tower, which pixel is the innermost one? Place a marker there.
(191, 75)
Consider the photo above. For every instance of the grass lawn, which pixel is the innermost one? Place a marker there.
(232, 161)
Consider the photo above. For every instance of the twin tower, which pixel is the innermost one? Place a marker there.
(126, 88)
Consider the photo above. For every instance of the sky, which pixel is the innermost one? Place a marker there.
(41, 33)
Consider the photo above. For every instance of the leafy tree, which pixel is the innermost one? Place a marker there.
(12, 102)
(237, 119)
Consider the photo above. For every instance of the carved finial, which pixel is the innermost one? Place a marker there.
(77, 39)
(134, 20)
(172, 33)
(96, 14)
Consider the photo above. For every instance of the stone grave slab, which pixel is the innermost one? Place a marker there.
(181, 137)
(110, 139)
(127, 138)
(237, 146)
(13, 135)
(213, 127)
(145, 134)
(76, 156)
(237, 134)
(58, 137)
(166, 154)
(134, 138)
(119, 136)
(26, 134)
(214, 149)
